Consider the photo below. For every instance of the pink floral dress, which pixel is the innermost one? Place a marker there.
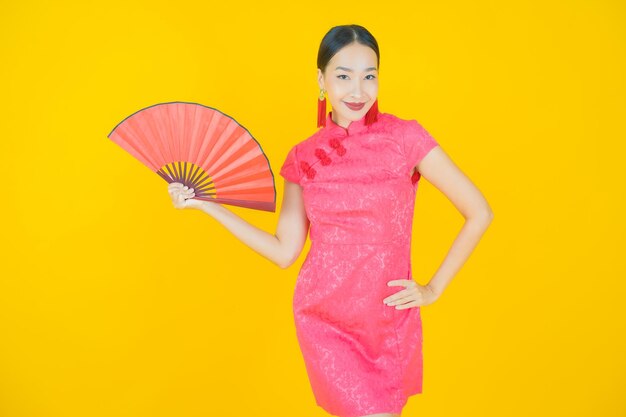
(361, 356)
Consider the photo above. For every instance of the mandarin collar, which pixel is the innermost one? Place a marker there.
(355, 126)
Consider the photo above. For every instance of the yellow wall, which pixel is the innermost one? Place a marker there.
(113, 303)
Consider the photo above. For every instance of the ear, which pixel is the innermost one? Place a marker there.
(320, 78)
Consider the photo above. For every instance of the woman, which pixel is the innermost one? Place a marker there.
(354, 182)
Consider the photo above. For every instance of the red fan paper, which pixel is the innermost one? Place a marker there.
(202, 148)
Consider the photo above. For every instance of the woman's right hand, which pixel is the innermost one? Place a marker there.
(182, 196)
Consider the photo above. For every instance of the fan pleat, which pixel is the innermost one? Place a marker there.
(155, 134)
(136, 140)
(221, 146)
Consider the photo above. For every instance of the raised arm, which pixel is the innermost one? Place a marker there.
(282, 247)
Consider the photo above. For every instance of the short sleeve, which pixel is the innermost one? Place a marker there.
(290, 169)
(417, 142)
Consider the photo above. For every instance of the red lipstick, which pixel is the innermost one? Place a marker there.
(354, 106)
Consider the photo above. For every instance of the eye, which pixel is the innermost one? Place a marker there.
(371, 75)
(342, 75)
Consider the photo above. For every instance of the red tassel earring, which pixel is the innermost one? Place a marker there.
(372, 114)
(321, 110)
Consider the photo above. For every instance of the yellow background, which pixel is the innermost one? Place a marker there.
(113, 303)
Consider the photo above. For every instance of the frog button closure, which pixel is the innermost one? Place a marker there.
(321, 154)
(308, 169)
(415, 177)
(335, 144)
(335, 134)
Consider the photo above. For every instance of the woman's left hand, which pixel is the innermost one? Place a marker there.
(413, 295)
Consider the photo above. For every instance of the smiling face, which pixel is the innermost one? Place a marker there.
(351, 76)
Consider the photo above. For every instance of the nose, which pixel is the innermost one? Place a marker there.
(356, 92)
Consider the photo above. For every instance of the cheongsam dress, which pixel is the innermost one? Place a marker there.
(361, 356)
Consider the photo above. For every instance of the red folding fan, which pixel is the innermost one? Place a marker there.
(202, 148)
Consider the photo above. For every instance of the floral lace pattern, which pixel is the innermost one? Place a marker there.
(362, 357)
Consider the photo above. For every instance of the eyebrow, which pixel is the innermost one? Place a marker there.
(349, 70)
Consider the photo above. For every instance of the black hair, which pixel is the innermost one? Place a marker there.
(340, 36)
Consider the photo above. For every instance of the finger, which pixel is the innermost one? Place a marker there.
(404, 282)
(174, 187)
(402, 300)
(395, 296)
(408, 305)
